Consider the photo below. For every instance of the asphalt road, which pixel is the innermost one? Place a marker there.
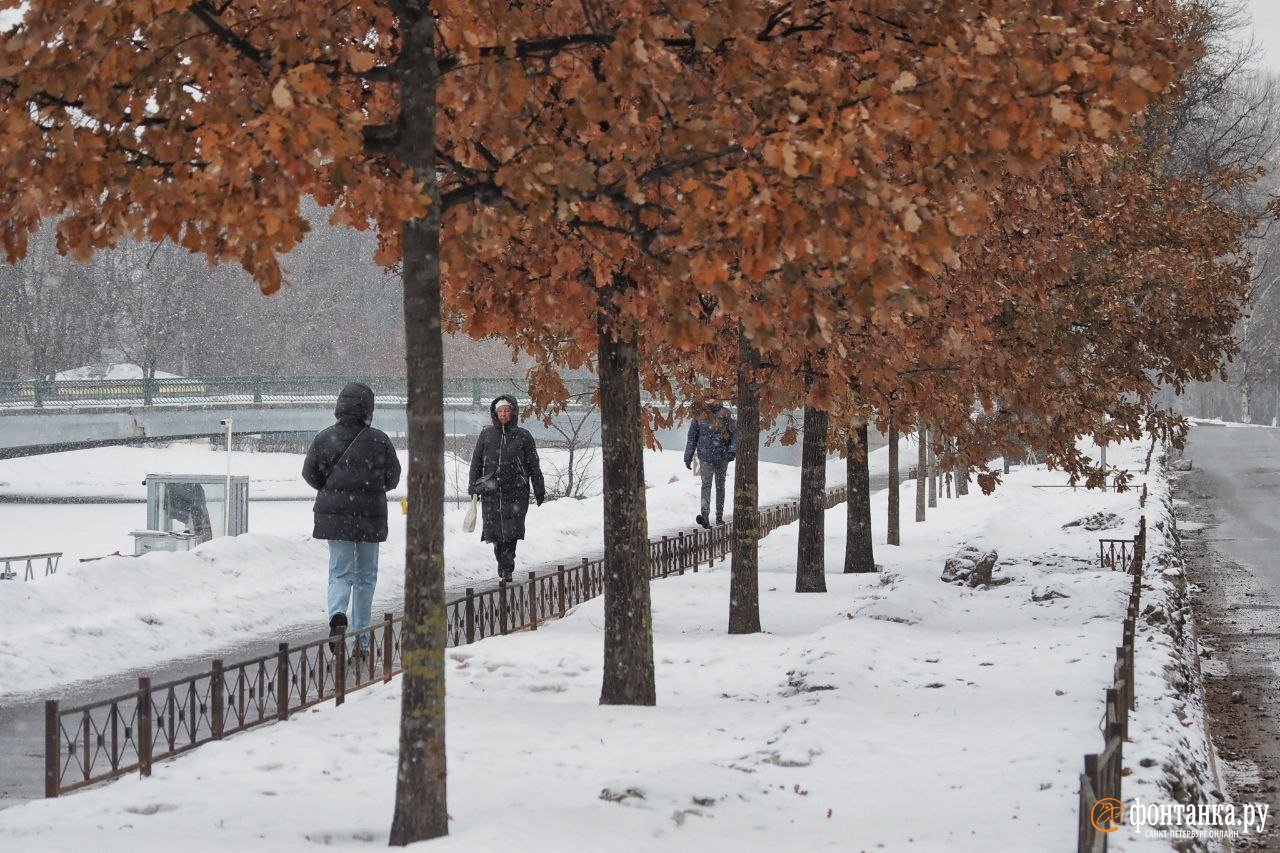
(1242, 469)
(1227, 508)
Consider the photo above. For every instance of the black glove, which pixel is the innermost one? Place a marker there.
(731, 456)
(689, 464)
(538, 498)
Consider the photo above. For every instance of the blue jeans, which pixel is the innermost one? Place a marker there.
(353, 573)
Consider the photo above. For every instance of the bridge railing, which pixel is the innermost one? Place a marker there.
(71, 393)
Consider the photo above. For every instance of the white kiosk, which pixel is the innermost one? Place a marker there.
(184, 510)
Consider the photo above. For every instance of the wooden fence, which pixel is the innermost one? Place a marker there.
(1101, 803)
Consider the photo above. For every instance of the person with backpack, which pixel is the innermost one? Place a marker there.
(352, 466)
(503, 466)
(713, 435)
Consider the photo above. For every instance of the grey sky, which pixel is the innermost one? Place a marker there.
(1266, 31)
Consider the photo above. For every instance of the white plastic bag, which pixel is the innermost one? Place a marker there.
(697, 467)
(469, 523)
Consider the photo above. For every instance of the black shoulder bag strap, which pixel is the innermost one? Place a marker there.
(348, 448)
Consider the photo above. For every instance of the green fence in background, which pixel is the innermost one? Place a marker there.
(41, 394)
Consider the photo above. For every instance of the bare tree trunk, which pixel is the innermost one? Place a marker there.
(421, 807)
(962, 482)
(922, 470)
(810, 560)
(744, 581)
(858, 551)
(568, 492)
(893, 529)
(933, 480)
(1246, 413)
(628, 623)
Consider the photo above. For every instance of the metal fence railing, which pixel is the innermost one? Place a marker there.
(30, 563)
(70, 393)
(1115, 554)
(1101, 803)
(105, 739)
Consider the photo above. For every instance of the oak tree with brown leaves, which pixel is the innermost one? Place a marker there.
(632, 147)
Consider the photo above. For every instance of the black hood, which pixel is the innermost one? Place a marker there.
(355, 404)
(515, 410)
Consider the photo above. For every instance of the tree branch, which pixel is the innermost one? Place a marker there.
(209, 17)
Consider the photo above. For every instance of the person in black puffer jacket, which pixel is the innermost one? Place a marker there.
(503, 465)
(353, 466)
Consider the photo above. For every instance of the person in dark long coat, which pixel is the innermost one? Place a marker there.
(503, 465)
(713, 435)
(352, 465)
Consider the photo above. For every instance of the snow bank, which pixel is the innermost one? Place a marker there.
(1169, 743)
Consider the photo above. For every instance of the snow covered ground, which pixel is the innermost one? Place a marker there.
(123, 613)
(895, 712)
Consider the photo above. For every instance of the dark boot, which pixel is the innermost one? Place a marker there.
(702, 520)
(337, 625)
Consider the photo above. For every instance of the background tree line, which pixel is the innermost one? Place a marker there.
(162, 308)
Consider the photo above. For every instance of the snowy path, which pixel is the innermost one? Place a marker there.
(874, 717)
(22, 718)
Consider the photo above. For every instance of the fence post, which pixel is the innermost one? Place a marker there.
(52, 749)
(340, 670)
(282, 682)
(532, 596)
(471, 615)
(586, 580)
(1128, 665)
(560, 584)
(144, 726)
(665, 552)
(1120, 712)
(257, 389)
(388, 642)
(680, 551)
(502, 606)
(1116, 730)
(37, 393)
(217, 687)
(475, 392)
(1091, 773)
(148, 390)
